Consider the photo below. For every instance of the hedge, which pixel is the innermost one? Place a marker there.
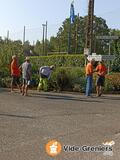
(69, 61)
(72, 79)
(69, 73)
(58, 61)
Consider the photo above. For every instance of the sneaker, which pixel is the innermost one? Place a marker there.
(89, 96)
(100, 95)
(22, 94)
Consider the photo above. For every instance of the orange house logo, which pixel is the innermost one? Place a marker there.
(53, 148)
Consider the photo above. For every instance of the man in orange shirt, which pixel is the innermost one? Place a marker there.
(15, 73)
(101, 72)
(89, 77)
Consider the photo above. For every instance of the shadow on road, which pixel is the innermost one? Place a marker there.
(63, 97)
(110, 98)
(16, 116)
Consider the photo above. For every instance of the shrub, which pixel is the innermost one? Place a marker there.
(77, 79)
(68, 77)
(116, 64)
(5, 82)
(58, 60)
(69, 73)
(61, 79)
(112, 82)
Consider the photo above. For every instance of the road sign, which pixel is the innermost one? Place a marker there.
(95, 57)
(101, 57)
(108, 57)
(107, 37)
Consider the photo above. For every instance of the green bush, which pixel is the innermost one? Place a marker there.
(77, 79)
(65, 65)
(116, 64)
(58, 60)
(67, 78)
(69, 74)
(112, 82)
(5, 82)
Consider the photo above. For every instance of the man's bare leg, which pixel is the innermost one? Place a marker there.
(98, 90)
(26, 90)
(23, 89)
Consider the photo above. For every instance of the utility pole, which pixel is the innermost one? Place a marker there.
(76, 34)
(24, 35)
(89, 27)
(109, 48)
(44, 25)
(46, 37)
(8, 35)
(7, 39)
(69, 39)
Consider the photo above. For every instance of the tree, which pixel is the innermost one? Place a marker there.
(7, 49)
(78, 33)
(115, 43)
(54, 44)
(38, 48)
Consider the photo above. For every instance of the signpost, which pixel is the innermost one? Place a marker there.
(108, 57)
(95, 57)
(107, 37)
(102, 57)
(86, 51)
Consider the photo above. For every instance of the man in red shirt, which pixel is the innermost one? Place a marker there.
(101, 72)
(15, 73)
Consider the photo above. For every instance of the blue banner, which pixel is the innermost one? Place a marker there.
(72, 13)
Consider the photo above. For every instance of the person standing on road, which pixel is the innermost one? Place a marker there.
(26, 75)
(15, 73)
(89, 77)
(101, 70)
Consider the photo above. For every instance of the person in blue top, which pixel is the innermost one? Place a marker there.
(45, 74)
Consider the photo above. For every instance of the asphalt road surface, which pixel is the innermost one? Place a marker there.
(27, 124)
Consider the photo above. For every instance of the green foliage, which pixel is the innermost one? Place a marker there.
(59, 43)
(60, 78)
(69, 68)
(78, 33)
(58, 61)
(54, 44)
(76, 81)
(112, 82)
(38, 47)
(68, 77)
(7, 49)
(116, 64)
(116, 43)
(5, 82)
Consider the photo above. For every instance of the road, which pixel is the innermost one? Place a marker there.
(27, 124)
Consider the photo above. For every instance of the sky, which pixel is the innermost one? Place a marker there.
(15, 14)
